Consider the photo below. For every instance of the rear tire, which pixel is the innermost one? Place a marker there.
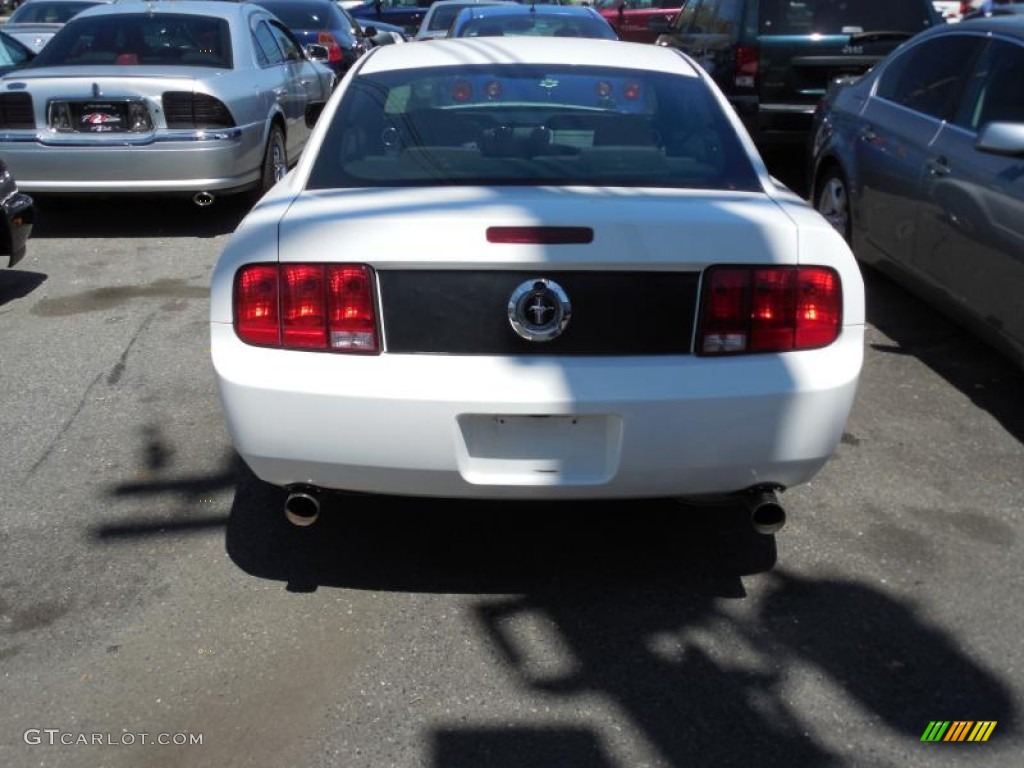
(832, 200)
(275, 163)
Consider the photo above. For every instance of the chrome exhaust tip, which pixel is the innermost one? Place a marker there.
(203, 199)
(302, 507)
(767, 515)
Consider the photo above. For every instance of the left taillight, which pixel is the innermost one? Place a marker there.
(326, 307)
(768, 309)
(333, 49)
(747, 60)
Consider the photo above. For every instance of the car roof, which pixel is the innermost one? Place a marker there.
(1011, 25)
(480, 51)
(223, 10)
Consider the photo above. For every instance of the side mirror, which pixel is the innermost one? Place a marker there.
(317, 52)
(313, 112)
(1001, 139)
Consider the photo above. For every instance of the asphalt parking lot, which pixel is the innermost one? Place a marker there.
(149, 586)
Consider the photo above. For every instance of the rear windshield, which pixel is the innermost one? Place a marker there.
(801, 17)
(537, 24)
(297, 15)
(140, 39)
(42, 12)
(522, 124)
(443, 16)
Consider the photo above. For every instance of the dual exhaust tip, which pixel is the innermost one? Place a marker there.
(767, 516)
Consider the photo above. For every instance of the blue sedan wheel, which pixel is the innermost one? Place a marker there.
(833, 201)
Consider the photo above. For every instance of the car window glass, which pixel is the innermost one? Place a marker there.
(267, 44)
(995, 92)
(291, 49)
(519, 124)
(802, 17)
(12, 55)
(727, 17)
(929, 76)
(140, 39)
(38, 12)
(703, 22)
(684, 19)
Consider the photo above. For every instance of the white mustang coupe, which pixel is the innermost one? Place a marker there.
(524, 268)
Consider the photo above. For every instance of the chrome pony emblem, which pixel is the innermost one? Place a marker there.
(539, 310)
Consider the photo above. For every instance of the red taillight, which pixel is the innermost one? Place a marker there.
(303, 306)
(352, 321)
(747, 58)
(631, 90)
(256, 301)
(769, 309)
(333, 49)
(307, 306)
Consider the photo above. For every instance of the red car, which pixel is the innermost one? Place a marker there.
(631, 19)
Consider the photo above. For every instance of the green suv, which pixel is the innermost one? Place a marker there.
(774, 59)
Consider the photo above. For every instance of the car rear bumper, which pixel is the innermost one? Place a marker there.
(184, 162)
(529, 428)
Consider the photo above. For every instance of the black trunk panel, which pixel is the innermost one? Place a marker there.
(463, 312)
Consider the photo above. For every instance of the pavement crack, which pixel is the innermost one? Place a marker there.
(118, 370)
(112, 378)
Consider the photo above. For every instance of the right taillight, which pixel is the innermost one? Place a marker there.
(184, 109)
(747, 58)
(768, 309)
(326, 307)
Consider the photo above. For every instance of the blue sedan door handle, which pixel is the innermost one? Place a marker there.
(938, 166)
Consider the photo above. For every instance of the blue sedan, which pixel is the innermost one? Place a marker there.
(920, 165)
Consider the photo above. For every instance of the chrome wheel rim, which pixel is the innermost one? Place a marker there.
(277, 160)
(834, 206)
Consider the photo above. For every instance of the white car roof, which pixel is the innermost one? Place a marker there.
(465, 51)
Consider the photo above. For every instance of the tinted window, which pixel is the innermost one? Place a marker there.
(525, 125)
(164, 40)
(443, 16)
(267, 44)
(684, 19)
(12, 54)
(288, 46)
(995, 92)
(928, 77)
(538, 24)
(802, 17)
(299, 15)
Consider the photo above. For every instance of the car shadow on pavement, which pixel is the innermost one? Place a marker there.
(17, 284)
(641, 606)
(984, 376)
(486, 547)
(81, 217)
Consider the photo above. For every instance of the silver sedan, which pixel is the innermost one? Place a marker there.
(193, 98)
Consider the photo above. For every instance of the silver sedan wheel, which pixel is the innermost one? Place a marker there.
(834, 204)
(278, 158)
